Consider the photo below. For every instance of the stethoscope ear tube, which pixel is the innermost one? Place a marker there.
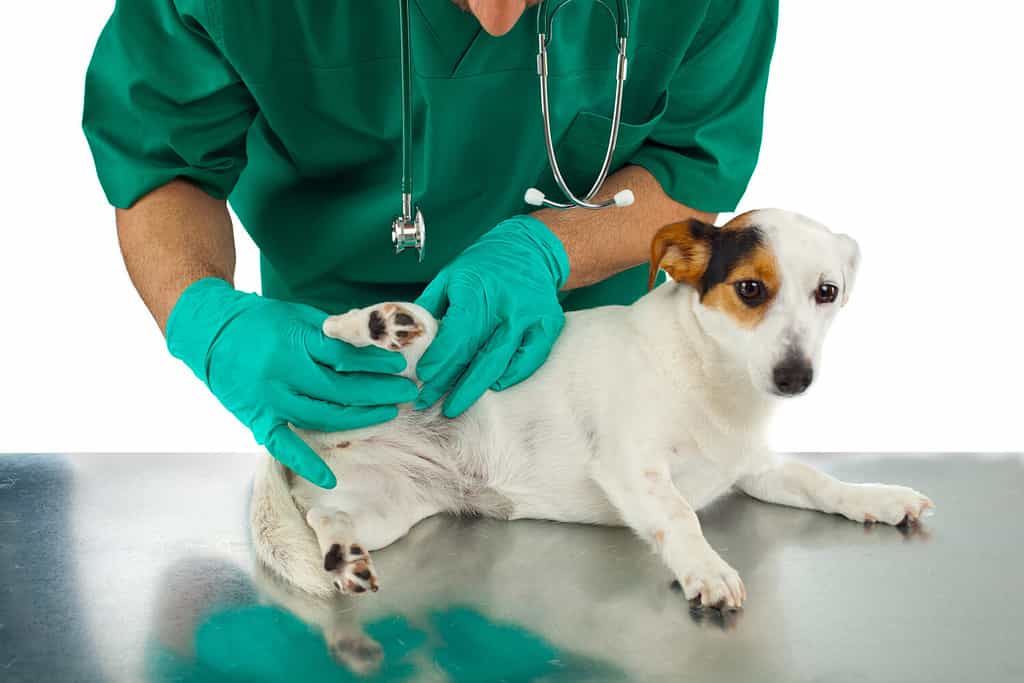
(534, 197)
(546, 12)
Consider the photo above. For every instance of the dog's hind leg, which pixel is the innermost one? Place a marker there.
(402, 327)
(371, 508)
(344, 556)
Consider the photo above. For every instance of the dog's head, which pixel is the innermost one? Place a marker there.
(769, 284)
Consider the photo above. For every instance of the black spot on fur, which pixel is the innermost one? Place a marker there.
(359, 589)
(334, 557)
(728, 247)
(378, 328)
(404, 319)
(356, 550)
(364, 574)
(676, 586)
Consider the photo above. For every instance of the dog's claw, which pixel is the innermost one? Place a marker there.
(712, 583)
(895, 505)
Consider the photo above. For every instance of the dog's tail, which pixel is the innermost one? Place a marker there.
(283, 541)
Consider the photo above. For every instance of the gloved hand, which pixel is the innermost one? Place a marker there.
(269, 363)
(499, 299)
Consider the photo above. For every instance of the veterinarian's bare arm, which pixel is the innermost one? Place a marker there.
(170, 238)
(608, 241)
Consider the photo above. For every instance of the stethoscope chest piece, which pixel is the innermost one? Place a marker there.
(409, 232)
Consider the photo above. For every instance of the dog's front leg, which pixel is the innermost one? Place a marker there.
(653, 507)
(798, 485)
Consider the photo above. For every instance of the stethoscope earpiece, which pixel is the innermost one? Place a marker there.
(535, 197)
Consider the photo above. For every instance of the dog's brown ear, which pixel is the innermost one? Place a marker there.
(682, 250)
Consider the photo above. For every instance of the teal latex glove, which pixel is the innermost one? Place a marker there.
(501, 314)
(269, 363)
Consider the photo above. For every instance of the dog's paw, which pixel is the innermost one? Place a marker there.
(393, 326)
(352, 568)
(357, 652)
(894, 505)
(708, 579)
(390, 326)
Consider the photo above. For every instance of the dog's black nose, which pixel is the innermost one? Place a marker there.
(792, 376)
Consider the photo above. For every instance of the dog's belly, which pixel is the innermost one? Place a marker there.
(580, 501)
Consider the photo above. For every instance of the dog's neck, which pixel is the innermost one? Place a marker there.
(693, 359)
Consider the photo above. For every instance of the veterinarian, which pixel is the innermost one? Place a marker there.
(293, 111)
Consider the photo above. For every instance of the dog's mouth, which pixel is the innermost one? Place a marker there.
(785, 395)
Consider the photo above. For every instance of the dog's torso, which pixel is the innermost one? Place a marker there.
(618, 386)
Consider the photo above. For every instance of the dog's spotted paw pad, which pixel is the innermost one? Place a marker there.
(393, 327)
(352, 569)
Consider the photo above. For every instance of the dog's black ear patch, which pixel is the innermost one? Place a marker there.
(378, 327)
(728, 247)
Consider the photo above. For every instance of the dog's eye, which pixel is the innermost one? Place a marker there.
(826, 293)
(751, 292)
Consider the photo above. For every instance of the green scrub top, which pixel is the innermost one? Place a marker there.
(292, 111)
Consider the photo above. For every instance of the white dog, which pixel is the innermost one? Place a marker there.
(641, 416)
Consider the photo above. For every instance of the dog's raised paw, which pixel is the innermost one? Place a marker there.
(895, 505)
(352, 569)
(392, 326)
(708, 581)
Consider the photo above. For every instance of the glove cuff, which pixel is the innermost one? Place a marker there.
(202, 311)
(549, 245)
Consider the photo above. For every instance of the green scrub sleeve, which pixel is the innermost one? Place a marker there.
(704, 149)
(161, 102)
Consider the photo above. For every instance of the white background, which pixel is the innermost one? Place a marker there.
(898, 122)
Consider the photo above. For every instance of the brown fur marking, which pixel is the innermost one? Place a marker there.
(675, 251)
(759, 265)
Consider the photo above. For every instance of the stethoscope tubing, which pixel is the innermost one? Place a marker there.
(613, 136)
(408, 230)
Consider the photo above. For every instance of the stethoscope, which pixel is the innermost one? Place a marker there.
(408, 230)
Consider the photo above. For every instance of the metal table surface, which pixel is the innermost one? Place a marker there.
(138, 568)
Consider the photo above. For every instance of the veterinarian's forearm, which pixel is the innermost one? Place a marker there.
(606, 242)
(170, 238)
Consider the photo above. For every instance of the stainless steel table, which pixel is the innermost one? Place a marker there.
(138, 568)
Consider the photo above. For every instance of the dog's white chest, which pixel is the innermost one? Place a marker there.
(703, 474)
